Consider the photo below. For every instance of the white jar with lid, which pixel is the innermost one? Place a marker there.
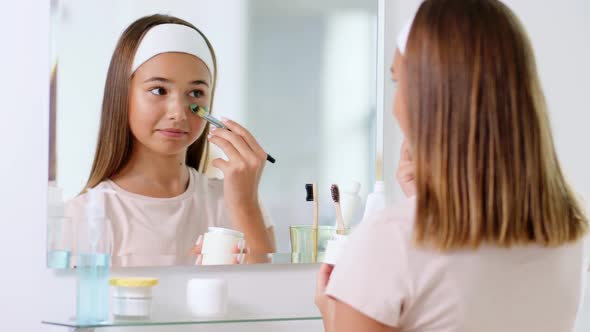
(334, 249)
(207, 297)
(132, 297)
(219, 246)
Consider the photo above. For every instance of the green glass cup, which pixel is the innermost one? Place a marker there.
(303, 239)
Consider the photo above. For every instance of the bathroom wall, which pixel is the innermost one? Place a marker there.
(25, 63)
(29, 292)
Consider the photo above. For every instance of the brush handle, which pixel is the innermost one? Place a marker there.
(212, 120)
(316, 211)
(270, 158)
(219, 124)
(339, 218)
(316, 215)
(316, 221)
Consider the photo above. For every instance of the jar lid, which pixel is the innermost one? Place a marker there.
(226, 231)
(133, 282)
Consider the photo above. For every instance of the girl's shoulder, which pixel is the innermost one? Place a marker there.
(75, 207)
(205, 184)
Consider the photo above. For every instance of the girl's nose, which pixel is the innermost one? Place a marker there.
(177, 109)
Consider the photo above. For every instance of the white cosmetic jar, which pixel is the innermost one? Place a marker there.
(132, 297)
(334, 249)
(219, 244)
(207, 297)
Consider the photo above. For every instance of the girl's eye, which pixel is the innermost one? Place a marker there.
(197, 93)
(159, 91)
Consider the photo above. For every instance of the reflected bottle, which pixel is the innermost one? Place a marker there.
(59, 230)
(376, 201)
(351, 203)
(93, 262)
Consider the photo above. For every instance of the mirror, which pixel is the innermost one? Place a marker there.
(299, 75)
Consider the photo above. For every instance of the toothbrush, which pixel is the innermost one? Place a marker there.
(336, 198)
(312, 196)
(203, 112)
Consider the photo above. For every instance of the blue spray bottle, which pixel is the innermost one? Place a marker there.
(93, 262)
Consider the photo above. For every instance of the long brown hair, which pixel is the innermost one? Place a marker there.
(115, 138)
(486, 166)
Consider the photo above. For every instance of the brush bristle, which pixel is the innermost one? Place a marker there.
(309, 191)
(335, 193)
(198, 110)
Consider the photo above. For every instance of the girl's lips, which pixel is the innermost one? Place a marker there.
(172, 132)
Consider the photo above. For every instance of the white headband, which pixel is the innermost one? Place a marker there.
(165, 38)
(402, 38)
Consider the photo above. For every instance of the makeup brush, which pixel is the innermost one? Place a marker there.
(336, 198)
(311, 190)
(203, 112)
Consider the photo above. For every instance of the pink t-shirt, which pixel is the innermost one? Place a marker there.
(159, 231)
(527, 288)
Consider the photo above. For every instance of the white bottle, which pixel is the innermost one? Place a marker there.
(376, 201)
(350, 202)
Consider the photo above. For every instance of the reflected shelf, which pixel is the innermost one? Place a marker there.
(201, 260)
(170, 321)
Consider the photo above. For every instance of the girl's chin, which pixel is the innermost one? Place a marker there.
(166, 146)
(170, 148)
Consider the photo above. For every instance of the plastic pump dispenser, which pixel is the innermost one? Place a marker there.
(55, 204)
(58, 230)
(93, 261)
(375, 201)
(96, 218)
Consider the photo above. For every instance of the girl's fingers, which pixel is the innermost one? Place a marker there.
(405, 170)
(246, 135)
(228, 148)
(237, 141)
(406, 153)
(323, 277)
(196, 249)
(221, 164)
(239, 247)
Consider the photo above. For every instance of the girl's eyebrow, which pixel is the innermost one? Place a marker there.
(197, 82)
(157, 79)
(165, 80)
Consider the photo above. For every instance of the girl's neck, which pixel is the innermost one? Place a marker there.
(152, 174)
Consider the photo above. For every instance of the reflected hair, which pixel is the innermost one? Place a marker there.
(486, 166)
(114, 144)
